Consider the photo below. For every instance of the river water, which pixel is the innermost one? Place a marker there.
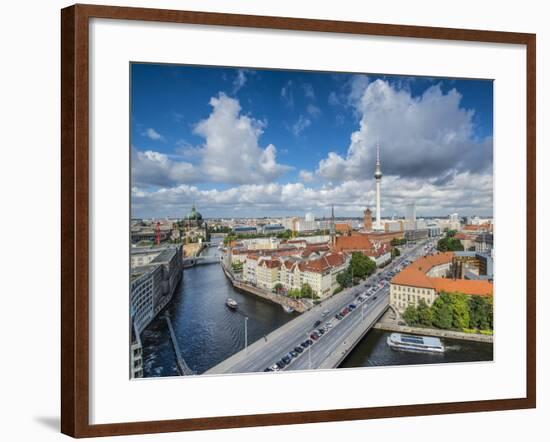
(209, 332)
(372, 351)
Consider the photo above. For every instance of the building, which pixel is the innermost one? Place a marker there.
(367, 220)
(151, 288)
(273, 228)
(416, 234)
(426, 278)
(467, 240)
(484, 243)
(193, 218)
(343, 228)
(245, 229)
(411, 214)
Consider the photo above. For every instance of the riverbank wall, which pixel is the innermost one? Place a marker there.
(296, 304)
(476, 337)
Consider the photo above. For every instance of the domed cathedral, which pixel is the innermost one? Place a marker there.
(193, 218)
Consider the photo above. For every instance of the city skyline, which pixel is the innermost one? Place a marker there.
(253, 143)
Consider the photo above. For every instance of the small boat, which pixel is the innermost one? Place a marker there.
(287, 309)
(414, 343)
(231, 303)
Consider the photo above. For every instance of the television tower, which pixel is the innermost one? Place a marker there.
(378, 177)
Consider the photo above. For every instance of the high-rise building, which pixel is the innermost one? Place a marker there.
(411, 212)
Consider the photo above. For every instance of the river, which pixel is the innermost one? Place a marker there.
(372, 351)
(207, 330)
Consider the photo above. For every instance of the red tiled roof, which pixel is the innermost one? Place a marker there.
(414, 275)
(466, 286)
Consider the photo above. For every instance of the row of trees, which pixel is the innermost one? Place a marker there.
(359, 268)
(449, 243)
(304, 292)
(453, 311)
(398, 242)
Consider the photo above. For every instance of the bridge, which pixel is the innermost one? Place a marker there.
(200, 260)
(334, 345)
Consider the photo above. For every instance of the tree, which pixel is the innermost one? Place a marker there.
(278, 287)
(361, 265)
(344, 278)
(424, 314)
(307, 291)
(461, 311)
(410, 316)
(395, 252)
(442, 311)
(479, 312)
(295, 293)
(449, 244)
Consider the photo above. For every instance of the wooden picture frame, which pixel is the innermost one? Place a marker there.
(75, 219)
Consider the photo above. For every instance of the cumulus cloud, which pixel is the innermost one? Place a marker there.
(306, 176)
(465, 193)
(230, 154)
(152, 134)
(157, 169)
(429, 136)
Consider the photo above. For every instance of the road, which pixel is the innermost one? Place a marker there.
(266, 352)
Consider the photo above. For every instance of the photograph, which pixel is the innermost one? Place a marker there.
(284, 220)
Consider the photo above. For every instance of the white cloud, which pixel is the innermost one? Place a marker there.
(465, 193)
(153, 134)
(231, 153)
(306, 176)
(287, 93)
(157, 169)
(308, 91)
(240, 80)
(301, 124)
(313, 110)
(428, 136)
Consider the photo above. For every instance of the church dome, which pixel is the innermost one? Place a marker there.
(193, 215)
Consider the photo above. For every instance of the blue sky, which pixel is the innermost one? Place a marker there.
(271, 142)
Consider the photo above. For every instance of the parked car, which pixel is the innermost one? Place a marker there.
(298, 349)
(317, 323)
(286, 359)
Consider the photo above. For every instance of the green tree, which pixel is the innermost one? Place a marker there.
(295, 293)
(442, 311)
(410, 316)
(479, 312)
(461, 311)
(449, 244)
(344, 278)
(424, 314)
(361, 265)
(306, 291)
(278, 287)
(395, 252)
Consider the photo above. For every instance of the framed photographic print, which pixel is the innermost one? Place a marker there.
(254, 207)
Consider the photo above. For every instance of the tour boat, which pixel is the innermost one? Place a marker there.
(414, 343)
(287, 309)
(231, 303)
